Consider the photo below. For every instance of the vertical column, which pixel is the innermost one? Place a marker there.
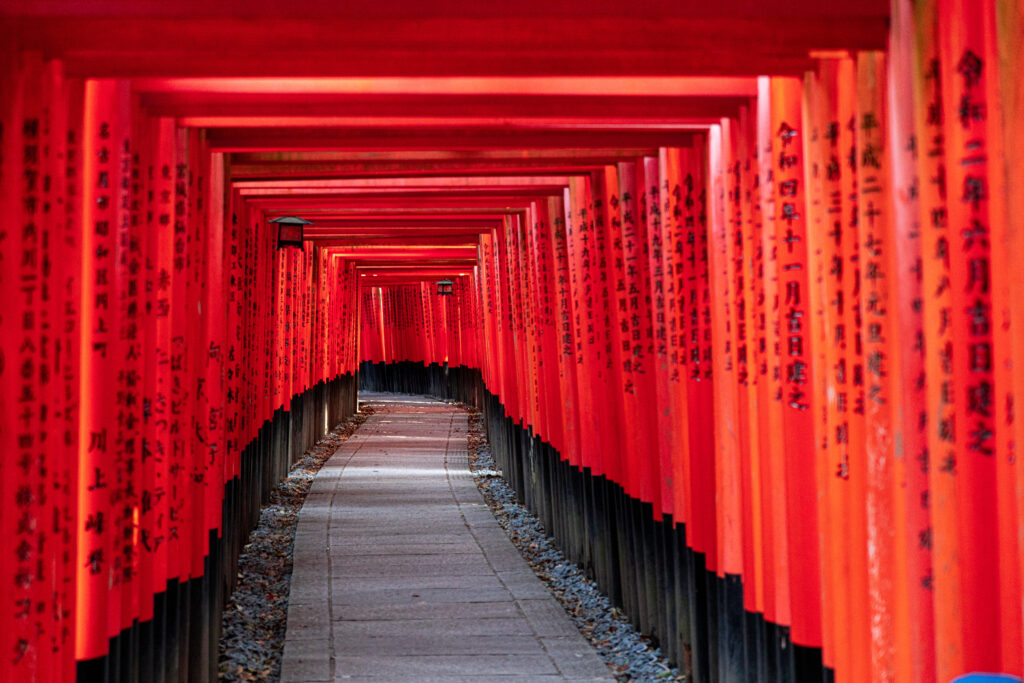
(67, 350)
(834, 257)
(881, 361)
(723, 207)
(567, 366)
(797, 381)
(1002, 262)
(673, 240)
(776, 559)
(98, 610)
(1010, 33)
(180, 394)
(606, 339)
(914, 635)
(638, 365)
(125, 304)
(579, 243)
(25, 395)
(970, 466)
(658, 400)
(820, 250)
(547, 342)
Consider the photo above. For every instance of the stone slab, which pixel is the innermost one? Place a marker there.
(306, 661)
(574, 658)
(447, 666)
(395, 598)
(468, 611)
(426, 643)
(492, 626)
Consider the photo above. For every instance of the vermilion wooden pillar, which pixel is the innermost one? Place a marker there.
(488, 309)
(1002, 262)
(914, 635)
(105, 133)
(971, 626)
(531, 319)
(549, 428)
(178, 529)
(675, 290)
(20, 283)
(213, 415)
(798, 397)
(817, 97)
(749, 259)
(744, 233)
(601, 289)
(880, 316)
(67, 352)
(620, 466)
(700, 373)
(638, 376)
(651, 211)
(134, 322)
(776, 559)
(1010, 34)
(563, 314)
(579, 239)
(723, 208)
(193, 347)
(9, 113)
(726, 211)
(516, 349)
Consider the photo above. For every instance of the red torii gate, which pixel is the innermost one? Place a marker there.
(796, 291)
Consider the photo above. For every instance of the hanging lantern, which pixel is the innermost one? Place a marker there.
(445, 288)
(289, 231)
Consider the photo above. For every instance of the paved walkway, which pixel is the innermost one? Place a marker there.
(402, 573)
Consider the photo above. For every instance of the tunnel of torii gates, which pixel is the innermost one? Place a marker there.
(738, 288)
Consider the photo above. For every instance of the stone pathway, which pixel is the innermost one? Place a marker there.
(401, 573)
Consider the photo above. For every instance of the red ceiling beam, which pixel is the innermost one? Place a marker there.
(224, 109)
(440, 264)
(292, 185)
(511, 168)
(369, 272)
(248, 139)
(327, 211)
(266, 165)
(395, 205)
(397, 233)
(378, 220)
(631, 40)
(367, 241)
(390, 9)
(428, 157)
(405, 164)
(412, 252)
(456, 86)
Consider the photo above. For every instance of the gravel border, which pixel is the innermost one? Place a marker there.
(629, 654)
(255, 616)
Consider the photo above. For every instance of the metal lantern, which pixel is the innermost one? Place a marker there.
(289, 231)
(445, 287)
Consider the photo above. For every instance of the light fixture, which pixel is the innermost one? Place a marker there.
(289, 231)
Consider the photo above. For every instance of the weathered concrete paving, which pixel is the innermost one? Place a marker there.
(402, 574)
